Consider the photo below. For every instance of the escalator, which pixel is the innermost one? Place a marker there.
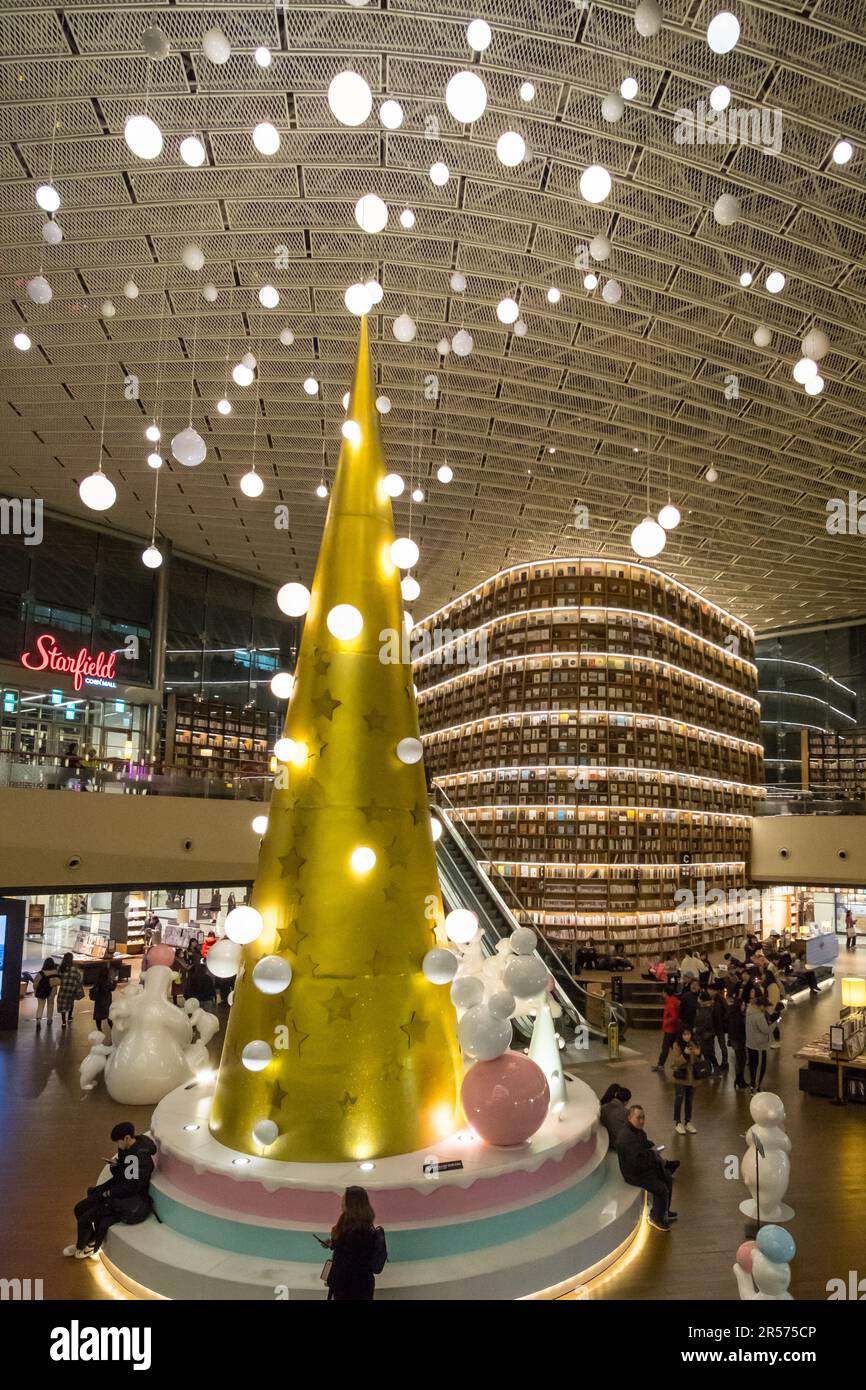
(465, 884)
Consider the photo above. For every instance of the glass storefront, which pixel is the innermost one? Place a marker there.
(49, 729)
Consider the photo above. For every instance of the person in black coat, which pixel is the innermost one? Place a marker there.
(122, 1197)
(100, 992)
(613, 1113)
(720, 1021)
(735, 1023)
(358, 1250)
(689, 1005)
(641, 1166)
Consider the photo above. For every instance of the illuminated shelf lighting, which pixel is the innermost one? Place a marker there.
(564, 714)
(807, 666)
(584, 867)
(651, 774)
(816, 699)
(570, 812)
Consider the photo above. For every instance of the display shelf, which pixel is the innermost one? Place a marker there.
(208, 737)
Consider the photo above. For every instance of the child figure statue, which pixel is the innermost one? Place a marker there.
(766, 1168)
(763, 1270)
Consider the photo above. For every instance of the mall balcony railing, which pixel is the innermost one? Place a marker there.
(818, 801)
(49, 772)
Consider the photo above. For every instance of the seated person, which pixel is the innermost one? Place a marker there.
(613, 1114)
(587, 956)
(802, 975)
(657, 971)
(122, 1197)
(692, 965)
(641, 1166)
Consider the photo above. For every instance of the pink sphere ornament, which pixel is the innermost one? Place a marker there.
(160, 955)
(745, 1253)
(506, 1100)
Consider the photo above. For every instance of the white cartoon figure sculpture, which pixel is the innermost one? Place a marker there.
(763, 1270)
(766, 1168)
(154, 1049)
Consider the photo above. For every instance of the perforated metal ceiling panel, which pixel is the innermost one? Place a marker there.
(654, 389)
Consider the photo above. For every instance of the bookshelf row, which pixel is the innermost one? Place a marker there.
(834, 761)
(601, 837)
(212, 738)
(627, 787)
(613, 891)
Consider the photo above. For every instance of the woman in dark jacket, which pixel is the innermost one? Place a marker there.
(683, 1058)
(735, 1022)
(71, 988)
(613, 1113)
(358, 1250)
(101, 992)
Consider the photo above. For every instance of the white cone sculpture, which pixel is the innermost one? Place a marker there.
(544, 1051)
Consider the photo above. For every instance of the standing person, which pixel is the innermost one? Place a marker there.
(70, 988)
(735, 1022)
(689, 1004)
(757, 1038)
(720, 1022)
(232, 904)
(707, 969)
(850, 930)
(613, 1112)
(686, 1073)
(691, 965)
(750, 946)
(101, 992)
(124, 1196)
(773, 993)
(641, 1166)
(670, 1025)
(704, 1030)
(359, 1250)
(210, 940)
(45, 986)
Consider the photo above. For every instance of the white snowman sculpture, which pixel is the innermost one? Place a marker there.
(155, 1047)
(763, 1269)
(766, 1168)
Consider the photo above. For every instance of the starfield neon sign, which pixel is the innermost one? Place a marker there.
(84, 668)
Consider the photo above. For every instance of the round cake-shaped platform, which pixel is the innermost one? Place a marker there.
(466, 1222)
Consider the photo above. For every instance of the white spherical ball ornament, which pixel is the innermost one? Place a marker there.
(293, 599)
(241, 375)
(255, 1055)
(272, 975)
(107, 309)
(266, 1132)
(130, 289)
(345, 622)
(143, 136)
(192, 152)
(223, 959)
(599, 248)
(287, 337)
(375, 291)
(311, 386)
(720, 97)
(723, 31)
(383, 405)
(439, 173)
(775, 282)
(155, 44)
(259, 825)
(466, 97)
(507, 311)
(520, 328)
(357, 300)
(461, 343)
(611, 292)
(612, 107)
(466, 991)
(510, 149)
(762, 336)
(192, 256)
(404, 553)
(712, 474)
(410, 750)
(669, 517)
(502, 1004)
(189, 448)
(216, 46)
(525, 976)
(483, 1036)
(391, 115)
(97, 492)
(404, 329)
(244, 924)
(479, 35)
(210, 293)
(154, 460)
(371, 213)
(410, 588)
(726, 210)
(47, 197)
(805, 370)
(52, 232)
(444, 473)
(527, 91)
(252, 484)
(523, 941)
(816, 345)
(439, 966)
(350, 98)
(393, 485)
(595, 183)
(39, 290)
(814, 386)
(407, 219)
(266, 138)
(22, 341)
(152, 557)
(461, 925)
(648, 538)
(648, 18)
(458, 282)
(363, 859)
(282, 685)
(269, 296)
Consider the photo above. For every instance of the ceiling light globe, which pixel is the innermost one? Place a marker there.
(131, 290)
(189, 448)
(507, 310)
(251, 484)
(628, 88)
(282, 685)
(192, 151)
(461, 343)
(726, 210)
(266, 138)
(374, 290)
(153, 433)
(22, 342)
(216, 46)
(344, 621)
(371, 213)
(445, 473)
(720, 98)
(554, 295)
(287, 337)
(611, 292)
(466, 97)
(479, 35)
(418, 495)
(393, 485)
(363, 859)
(648, 18)
(351, 430)
(39, 290)
(350, 98)
(154, 460)
(648, 538)
(590, 282)
(269, 296)
(510, 149)
(322, 490)
(458, 282)
(311, 386)
(762, 336)
(97, 492)
(595, 184)
(224, 406)
(746, 279)
(263, 56)
(775, 282)
(391, 115)
(520, 328)
(410, 588)
(52, 232)
(143, 137)
(293, 599)
(816, 344)
(805, 370)
(357, 300)
(712, 474)
(599, 248)
(723, 31)
(407, 219)
(210, 293)
(192, 257)
(404, 328)
(383, 404)
(439, 174)
(612, 108)
(242, 375)
(669, 517)
(404, 553)
(842, 152)
(527, 91)
(152, 557)
(814, 386)
(47, 197)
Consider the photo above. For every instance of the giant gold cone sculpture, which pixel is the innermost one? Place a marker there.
(364, 1059)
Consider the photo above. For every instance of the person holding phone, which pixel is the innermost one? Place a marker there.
(688, 1067)
(358, 1250)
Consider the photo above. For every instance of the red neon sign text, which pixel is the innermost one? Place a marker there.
(82, 665)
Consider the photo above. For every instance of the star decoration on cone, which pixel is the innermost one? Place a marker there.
(295, 1037)
(324, 705)
(347, 1102)
(339, 1005)
(321, 663)
(292, 863)
(291, 937)
(415, 1029)
(375, 721)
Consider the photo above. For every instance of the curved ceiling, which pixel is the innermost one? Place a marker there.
(654, 389)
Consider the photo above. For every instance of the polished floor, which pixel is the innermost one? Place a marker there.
(53, 1139)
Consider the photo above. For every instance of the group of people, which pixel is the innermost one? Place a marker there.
(61, 986)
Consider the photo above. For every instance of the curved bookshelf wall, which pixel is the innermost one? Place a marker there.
(596, 725)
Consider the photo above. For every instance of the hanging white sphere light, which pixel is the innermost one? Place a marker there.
(507, 310)
(404, 553)
(612, 107)
(628, 88)
(404, 329)
(224, 406)
(249, 361)
(410, 751)
(461, 925)
(363, 859)
(216, 46)
(192, 151)
(39, 290)
(272, 974)
(351, 430)
(293, 599)
(648, 18)
(153, 433)
(251, 484)
(97, 492)
(107, 309)
(669, 516)
(595, 183)
(287, 337)
(435, 828)
(224, 959)
(371, 213)
(47, 197)
(510, 148)
(479, 35)
(407, 219)
(210, 293)
(775, 282)
(762, 336)
(346, 399)
(52, 232)
(189, 448)
(804, 370)
(192, 256)
(155, 44)
(445, 473)
(816, 344)
(410, 588)
(393, 485)
(344, 621)
(263, 56)
(439, 174)
(282, 685)
(648, 538)
(285, 750)
(842, 152)
(590, 281)
(520, 328)
(152, 557)
(443, 347)
(143, 136)
(154, 460)
(357, 300)
(322, 490)
(383, 404)
(350, 98)
(466, 97)
(611, 292)
(458, 282)
(243, 925)
(814, 386)
(375, 291)
(417, 495)
(22, 342)
(439, 966)
(726, 210)
(599, 248)
(712, 474)
(554, 295)
(461, 343)
(723, 31)
(527, 91)
(242, 375)
(256, 1055)
(720, 97)
(130, 289)
(391, 115)
(311, 386)
(746, 279)
(269, 296)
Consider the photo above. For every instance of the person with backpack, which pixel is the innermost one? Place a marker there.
(124, 1196)
(100, 992)
(45, 986)
(358, 1251)
(71, 987)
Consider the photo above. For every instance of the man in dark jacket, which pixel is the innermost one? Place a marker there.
(689, 1005)
(122, 1197)
(641, 1166)
(735, 1023)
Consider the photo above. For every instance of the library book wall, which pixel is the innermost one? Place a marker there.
(596, 726)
